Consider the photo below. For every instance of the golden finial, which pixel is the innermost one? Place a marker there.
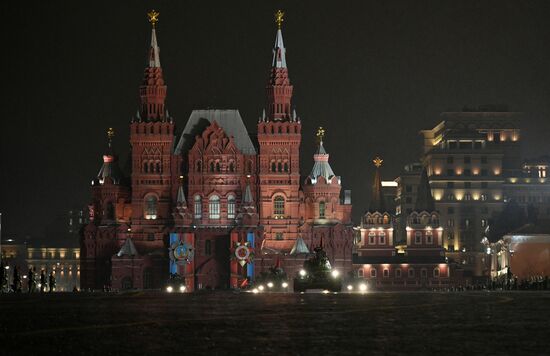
(279, 18)
(320, 134)
(377, 161)
(153, 17)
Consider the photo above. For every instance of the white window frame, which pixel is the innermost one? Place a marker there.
(417, 237)
(214, 207)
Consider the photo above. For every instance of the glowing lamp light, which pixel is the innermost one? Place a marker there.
(335, 273)
(255, 291)
(284, 285)
(261, 288)
(325, 291)
(169, 289)
(269, 285)
(362, 287)
(350, 287)
(303, 272)
(182, 289)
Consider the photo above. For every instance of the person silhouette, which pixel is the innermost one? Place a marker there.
(52, 282)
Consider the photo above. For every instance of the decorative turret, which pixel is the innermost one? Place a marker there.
(153, 91)
(279, 89)
(182, 215)
(110, 172)
(377, 203)
(247, 215)
(321, 167)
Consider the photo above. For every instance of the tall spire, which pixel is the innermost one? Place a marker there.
(248, 200)
(279, 89)
(180, 200)
(153, 90)
(424, 199)
(377, 203)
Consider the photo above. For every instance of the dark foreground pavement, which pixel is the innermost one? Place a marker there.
(231, 323)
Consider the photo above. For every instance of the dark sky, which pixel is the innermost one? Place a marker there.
(373, 73)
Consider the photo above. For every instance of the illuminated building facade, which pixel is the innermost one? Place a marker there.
(215, 204)
(418, 261)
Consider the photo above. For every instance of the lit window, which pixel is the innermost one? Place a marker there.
(198, 207)
(279, 206)
(373, 272)
(372, 240)
(382, 238)
(151, 207)
(483, 197)
(230, 207)
(467, 196)
(214, 207)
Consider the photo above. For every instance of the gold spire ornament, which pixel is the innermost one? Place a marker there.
(110, 135)
(377, 162)
(279, 18)
(320, 134)
(153, 17)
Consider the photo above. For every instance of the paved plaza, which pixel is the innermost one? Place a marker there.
(226, 322)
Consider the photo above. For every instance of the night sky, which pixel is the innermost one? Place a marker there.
(373, 73)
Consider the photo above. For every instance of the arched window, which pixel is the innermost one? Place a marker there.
(214, 207)
(382, 238)
(151, 167)
(322, 208)
(230, 206)
(398, 273)
(158, 168)
(151, 202)
(145, 167)
(286, 167)
(231, 166)
(198, 207)
(436, 272)
(411, 272)
(273, 167)
(417, 237)
(373, 273)
(279, 206)
(372, 238)
(280, 166)
(211, 166)
(429, 238)
(386, 220)
(218, 169)
(199, 166)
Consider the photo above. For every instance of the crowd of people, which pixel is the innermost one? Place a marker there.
(34, 282)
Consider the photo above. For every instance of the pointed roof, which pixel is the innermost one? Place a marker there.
(248, 200)
(128, 249)
(424, 199)
(180, 200)
(377, 203)
(299, 247)
(279, 51)
(110, 168)
(321, 167)
(154, 51)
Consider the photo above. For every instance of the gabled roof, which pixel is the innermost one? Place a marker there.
(128, 249)
(229, 120)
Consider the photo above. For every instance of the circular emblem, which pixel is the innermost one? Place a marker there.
(242, 252)
(182, 252)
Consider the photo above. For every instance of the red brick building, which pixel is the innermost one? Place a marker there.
(419, 261)
(209, 202)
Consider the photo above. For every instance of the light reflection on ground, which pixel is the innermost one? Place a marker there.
(223, 322)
